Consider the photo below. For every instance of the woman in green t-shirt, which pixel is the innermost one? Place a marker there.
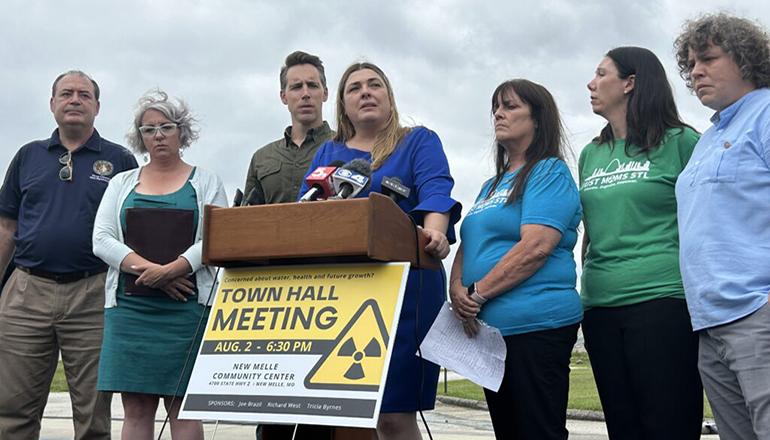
(636, 325)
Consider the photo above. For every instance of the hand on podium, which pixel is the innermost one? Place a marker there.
(438, 245)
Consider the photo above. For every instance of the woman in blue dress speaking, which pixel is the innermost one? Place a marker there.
(152, 310)
(368, 128)
(515, 267)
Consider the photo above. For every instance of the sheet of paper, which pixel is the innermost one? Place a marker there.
(480, 359)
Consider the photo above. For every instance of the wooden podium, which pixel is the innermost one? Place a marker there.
(332, 231)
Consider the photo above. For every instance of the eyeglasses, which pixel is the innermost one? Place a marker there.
(65, 174)
(166, 129)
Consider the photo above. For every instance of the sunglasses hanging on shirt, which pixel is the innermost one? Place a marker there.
(65, 173)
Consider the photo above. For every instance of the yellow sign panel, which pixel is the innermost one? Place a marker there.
(356, 360)
(342, 314)
(298, 302)
(298, 344)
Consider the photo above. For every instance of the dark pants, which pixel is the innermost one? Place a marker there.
(532, 400)
(645, 362)
(286, 432)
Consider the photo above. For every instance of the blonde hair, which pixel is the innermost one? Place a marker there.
(388, 138)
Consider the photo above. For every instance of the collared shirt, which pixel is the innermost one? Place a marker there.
(281, 166)
(55, 218)
(723, 198)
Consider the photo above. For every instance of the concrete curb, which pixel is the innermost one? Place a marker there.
(709, 427)
(585, 414)
(465, 403)
(575, 414)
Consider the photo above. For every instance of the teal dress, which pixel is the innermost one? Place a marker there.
(150, 343)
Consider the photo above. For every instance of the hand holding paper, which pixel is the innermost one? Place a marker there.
(480, 359)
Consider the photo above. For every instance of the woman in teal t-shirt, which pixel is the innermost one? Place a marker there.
(515, 268)
(636, 326)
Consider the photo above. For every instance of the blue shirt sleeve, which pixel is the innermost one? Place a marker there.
(550, 197)
(10, 194)
(432, 180)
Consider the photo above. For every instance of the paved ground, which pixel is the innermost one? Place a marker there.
(446, 422)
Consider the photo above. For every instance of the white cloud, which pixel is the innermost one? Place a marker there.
(444, 59)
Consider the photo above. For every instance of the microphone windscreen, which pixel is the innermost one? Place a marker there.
(256, 196)
(238, 198)
(393, 188)
(319, 183)
(360, 166)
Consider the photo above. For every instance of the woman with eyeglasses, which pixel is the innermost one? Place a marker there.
(153, 309)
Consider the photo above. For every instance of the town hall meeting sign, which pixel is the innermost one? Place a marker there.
(298, 344)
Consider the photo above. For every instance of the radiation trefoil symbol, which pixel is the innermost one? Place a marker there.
(356, 371)
(357, 357)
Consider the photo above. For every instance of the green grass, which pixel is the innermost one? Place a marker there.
(59, 383)
(582, 388)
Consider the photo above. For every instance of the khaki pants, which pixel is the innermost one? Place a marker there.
(38, 318)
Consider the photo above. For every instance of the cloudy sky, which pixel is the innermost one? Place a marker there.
(444, 59)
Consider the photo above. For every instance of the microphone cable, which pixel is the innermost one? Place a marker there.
(207, 306)
(420, 389)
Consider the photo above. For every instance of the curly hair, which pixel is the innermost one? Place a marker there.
(177, 112)
(744, 40)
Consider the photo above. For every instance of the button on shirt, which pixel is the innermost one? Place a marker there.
(54, 217)
(723, 198)
(281, 166)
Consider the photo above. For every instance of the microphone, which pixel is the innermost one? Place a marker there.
(238, 198)
(320, 183)
(352, 178)
(256, 195)
(393, 188)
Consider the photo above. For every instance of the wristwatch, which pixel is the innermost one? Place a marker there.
(474, 294)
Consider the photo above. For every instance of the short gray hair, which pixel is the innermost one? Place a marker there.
(176, 111)
(75, 73)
